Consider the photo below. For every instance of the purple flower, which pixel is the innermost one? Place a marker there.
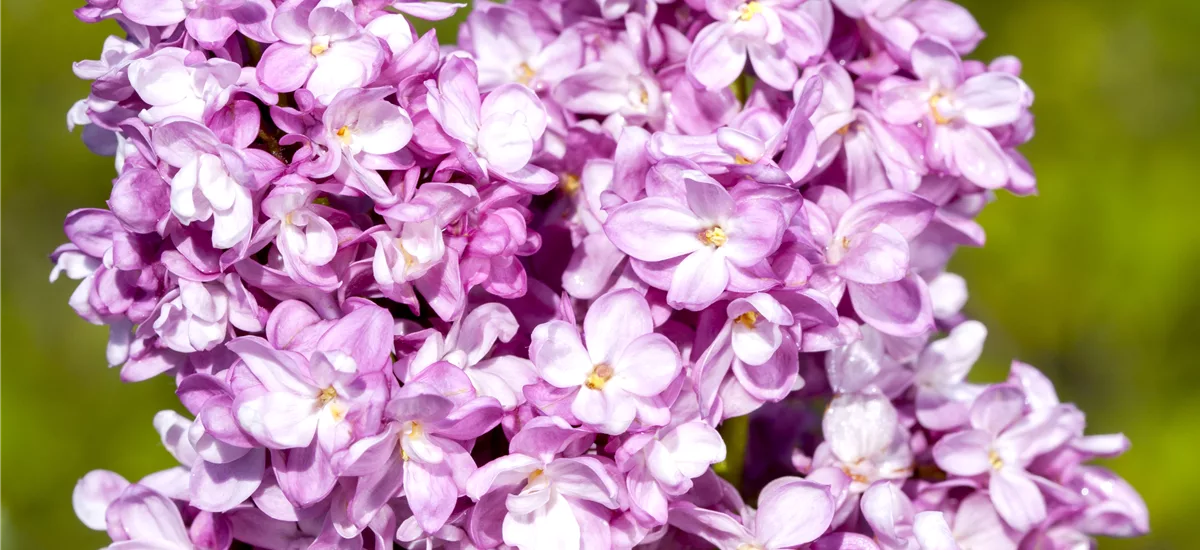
(776, 35)
(549, 503)
(420, 449)
(507, 49)
(1001, 443)
(623, 367)
(467, 346)
(567, 248)
(212, 182)
(706, 235)
(321, 49)
(496, 135)
(957, 111)
(943, 396)
(875, 155)
(201, 315)
(868, 249)
(174, 83)
(364, 133)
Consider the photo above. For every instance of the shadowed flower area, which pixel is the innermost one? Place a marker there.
(1091, 279)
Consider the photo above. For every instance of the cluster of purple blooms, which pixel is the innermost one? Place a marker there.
(506, 294)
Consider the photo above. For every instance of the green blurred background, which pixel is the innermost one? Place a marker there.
(1093, 280)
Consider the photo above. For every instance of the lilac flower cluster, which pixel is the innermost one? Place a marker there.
(522, 292)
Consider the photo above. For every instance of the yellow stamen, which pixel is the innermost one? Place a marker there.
(409, 259)
(327, 395)
(416, 431)
(525, 73)
(855, 477)
(319, 46)
(645, 97)
(599, 377)
(569, 183)
(748, 319)
(534, 475)
(995, 460)
(937, 117)
(749, 10)
(844, 130)
(739, 159)
(344, 134)
(714, 236)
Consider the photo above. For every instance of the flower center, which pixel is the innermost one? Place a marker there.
(599, 377)
(748, 319)
(319, 45)
(569, 183)
(749, 10)
(534, 475)
(327, 395)
(345, 135)
(714, 236)
(749, 546)
(409, 259)
(937, 116)
(995, 460)
(525, 73)
(739, 159)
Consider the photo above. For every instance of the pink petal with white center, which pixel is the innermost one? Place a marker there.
(550, 527)
(991, 99)
(791, 512)
(655, 229)
(279, 420)
(647, 365)
(997, 408)
(715, 60)
(936, 62)
(899, 308)
(285, 67)
(877, 257)
(93, 494)
(614, 321)
(976, 154)
(932, 532)
(859, 426)
(559, 355)
(1017, 498)
(699, 279)
(721, 530)
(963, 453)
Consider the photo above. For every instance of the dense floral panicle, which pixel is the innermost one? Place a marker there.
(538, 288)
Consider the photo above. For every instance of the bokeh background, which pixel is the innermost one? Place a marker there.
(1094, 280)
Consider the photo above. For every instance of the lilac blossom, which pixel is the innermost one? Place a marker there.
(709, 235)
(617, 368)
(497, 135)
(321, 48)
(584, 279)
(957, 112)
(775, 35)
